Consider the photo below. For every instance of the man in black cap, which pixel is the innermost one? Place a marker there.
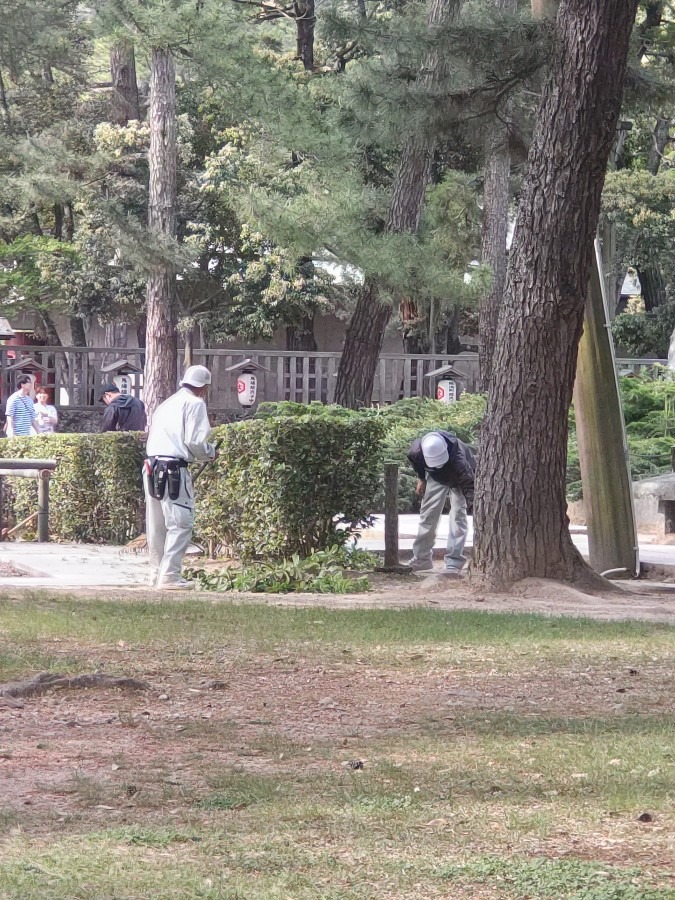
(124, 412)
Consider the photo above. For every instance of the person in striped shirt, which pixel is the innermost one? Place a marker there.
(20, 411)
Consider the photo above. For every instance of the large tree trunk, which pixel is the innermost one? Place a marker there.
(124, 104)
(521, 520)
(162, 336)
(51, 334)
(494, 232)
(363, 341)
(651, 274)
(493, 245)
(305, 23)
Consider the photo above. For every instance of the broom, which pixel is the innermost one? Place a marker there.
(140, 544)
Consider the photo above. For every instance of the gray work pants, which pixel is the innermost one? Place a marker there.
(430, 515)
(168, 527)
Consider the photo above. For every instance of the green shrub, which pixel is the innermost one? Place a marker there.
(283, 485)
(96, 492)
(321, 572)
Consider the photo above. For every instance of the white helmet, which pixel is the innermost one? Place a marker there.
(435, 450)
(196, 376)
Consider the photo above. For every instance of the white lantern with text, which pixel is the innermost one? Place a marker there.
(446, 391)
(247, 388)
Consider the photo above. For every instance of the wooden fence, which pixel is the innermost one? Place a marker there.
(74, 375)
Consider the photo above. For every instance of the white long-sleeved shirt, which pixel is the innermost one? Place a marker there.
(180, 428)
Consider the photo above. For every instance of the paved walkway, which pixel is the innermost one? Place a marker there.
(86, 565)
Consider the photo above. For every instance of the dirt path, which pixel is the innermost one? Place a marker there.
(641, 600)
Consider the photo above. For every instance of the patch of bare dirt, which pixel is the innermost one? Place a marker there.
(71, 748)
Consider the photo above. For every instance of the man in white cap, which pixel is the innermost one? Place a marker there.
(445, 466)
(178, 436)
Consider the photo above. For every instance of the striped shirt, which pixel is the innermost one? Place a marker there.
(22, 411)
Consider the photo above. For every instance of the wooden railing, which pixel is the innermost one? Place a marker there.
(74, 378)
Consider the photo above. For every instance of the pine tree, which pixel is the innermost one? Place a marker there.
(520, 497)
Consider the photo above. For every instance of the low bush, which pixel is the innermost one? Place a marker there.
(322, 572)
(96, 492)
(291, 484)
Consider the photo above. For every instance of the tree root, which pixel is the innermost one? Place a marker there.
(48, 681)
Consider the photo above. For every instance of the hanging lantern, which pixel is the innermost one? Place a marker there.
(247, 388)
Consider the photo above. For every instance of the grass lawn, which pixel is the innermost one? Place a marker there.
(310, 753)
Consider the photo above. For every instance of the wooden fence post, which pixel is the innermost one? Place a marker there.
(43, 506)
(391, 516)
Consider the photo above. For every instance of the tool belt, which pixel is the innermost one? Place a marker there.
(163, 473)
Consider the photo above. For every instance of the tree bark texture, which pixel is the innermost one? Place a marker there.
(51, 334)
(356, 373)
(363, 344)
(124, 103)
(494, 231)
(162, 337)
(493, 246)
(521, 521)
(305, 23)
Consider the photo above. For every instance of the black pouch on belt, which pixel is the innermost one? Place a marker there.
(173, 480)
(159, 479)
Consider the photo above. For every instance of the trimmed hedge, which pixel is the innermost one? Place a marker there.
(283, 484)
(96, 493)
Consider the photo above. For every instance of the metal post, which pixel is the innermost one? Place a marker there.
(43, 506)
(391, 516)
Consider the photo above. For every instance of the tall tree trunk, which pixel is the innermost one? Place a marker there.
(653, 285)
(51, 334)
(4, 106)
(78, 334)
(301, 337)
(116, 334)
(141, 335)
(124, 104)
(69, 223)
(356, 373)
(305, 23)
(521, 520)
(493, 245)
(363, 343)
(58, 221)
(162, 336)
(79, 339)
(651, 276)
(494, 231)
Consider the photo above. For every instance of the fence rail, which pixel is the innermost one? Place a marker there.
(74, 375)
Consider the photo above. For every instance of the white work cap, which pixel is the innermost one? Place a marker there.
(196, 376)
(435, 450)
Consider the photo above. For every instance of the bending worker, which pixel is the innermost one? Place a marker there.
(178, 436)
(444, 465)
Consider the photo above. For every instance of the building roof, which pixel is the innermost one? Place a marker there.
(121, 367)
(446, 370)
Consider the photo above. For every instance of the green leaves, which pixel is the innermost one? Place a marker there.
(322, 572)
(96, 493)
(290, 484)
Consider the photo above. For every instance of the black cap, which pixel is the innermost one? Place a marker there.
(109, 388)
